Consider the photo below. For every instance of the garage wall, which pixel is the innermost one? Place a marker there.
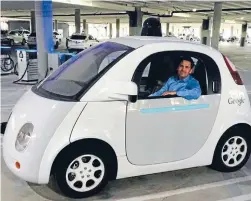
(65, 28)
(18, 24)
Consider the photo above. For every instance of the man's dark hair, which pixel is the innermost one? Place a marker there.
(187, 59)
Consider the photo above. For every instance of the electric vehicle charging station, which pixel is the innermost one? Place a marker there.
(55, 59)
(7, 63)
(27, 65)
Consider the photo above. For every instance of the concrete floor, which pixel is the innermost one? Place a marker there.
(195, 184)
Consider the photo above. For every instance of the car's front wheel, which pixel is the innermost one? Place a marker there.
(232, 152)
(82, 173)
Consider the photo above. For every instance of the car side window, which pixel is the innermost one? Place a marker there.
(154, 72)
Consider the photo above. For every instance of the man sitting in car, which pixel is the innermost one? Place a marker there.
(182, 84)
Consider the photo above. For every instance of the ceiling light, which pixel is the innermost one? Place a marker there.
(242, 18)
(194, 10)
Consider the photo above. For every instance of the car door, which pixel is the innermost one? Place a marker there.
(167, 129)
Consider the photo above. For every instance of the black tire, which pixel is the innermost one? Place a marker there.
(218, 163)
(67, 158)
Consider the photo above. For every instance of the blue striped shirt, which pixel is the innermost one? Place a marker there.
(188, 88)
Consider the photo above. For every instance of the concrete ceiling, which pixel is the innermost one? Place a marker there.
(241, 10)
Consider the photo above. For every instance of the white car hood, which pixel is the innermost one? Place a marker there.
(45, 114)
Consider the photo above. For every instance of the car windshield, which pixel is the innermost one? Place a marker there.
(78, 37)
(74, 76)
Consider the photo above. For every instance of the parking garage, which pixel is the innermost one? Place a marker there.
(41, 40)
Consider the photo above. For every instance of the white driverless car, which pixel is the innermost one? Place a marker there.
(79, 42)
(92, 120)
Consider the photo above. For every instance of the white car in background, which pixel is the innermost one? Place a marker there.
(18, 36)
(79, 42)
(248, 39)
(32, 41)
(58, 36)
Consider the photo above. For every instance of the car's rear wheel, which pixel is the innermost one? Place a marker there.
(82, 173)
(232, 152)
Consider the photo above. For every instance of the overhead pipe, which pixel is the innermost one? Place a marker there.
(212, 10)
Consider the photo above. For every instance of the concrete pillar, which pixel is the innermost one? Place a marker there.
(117, 27)
(167, 28)
(56, 25)
(205, 32)
(33, 22)
(216, 24)
(77, 20)
(110, 30)
(232, 31)
(243, 34)
(135, 22)
(44, 35)
(84, 26)
(172, 29)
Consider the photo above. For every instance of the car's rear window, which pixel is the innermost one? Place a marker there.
(78, 37)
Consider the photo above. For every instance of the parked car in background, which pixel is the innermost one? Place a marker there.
(32, 41)
(5, 40)
(248, 39)
(232, 39)
(80, 41)
(17, 36)
(58, 36)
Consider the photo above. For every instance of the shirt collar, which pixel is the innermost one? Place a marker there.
(185, 79)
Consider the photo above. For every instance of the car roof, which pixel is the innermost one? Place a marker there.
(138, 41)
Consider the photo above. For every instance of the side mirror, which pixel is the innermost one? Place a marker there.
(127, 91)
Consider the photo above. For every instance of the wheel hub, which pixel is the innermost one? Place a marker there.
(234, 151)
(88, 171)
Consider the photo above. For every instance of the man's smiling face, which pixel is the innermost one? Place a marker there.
(184, 69)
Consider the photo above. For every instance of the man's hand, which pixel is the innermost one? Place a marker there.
(169, 93)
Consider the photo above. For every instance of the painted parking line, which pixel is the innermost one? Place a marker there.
(188, 189)
(246, 197)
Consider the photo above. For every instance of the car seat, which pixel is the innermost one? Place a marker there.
(200, 74)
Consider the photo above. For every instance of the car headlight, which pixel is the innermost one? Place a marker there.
(24, 136)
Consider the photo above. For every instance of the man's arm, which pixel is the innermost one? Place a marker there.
(193, 93)
(162, 90)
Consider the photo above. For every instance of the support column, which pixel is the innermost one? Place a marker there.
(117, 27)
(56, 25)
(110, 30)
(205, 32)
(77, 20)
(135, 22)
(44, 35)
(33, 22)
(243, 34)
(167, 28)
(84, 26)
(232, 31)
(216, 24)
